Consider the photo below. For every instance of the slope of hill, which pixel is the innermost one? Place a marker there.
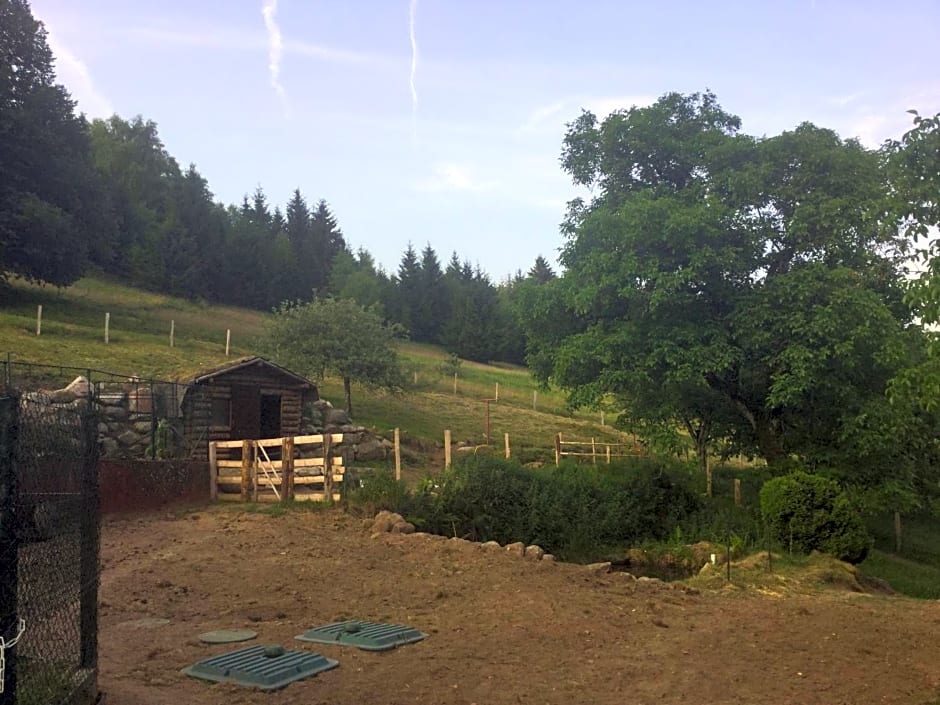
(73, 322)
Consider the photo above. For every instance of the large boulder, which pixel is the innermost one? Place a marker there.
(336, 417)
(371, 449)
(78, 388)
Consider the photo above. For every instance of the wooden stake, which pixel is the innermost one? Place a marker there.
(172, 331)
(557, 449)
(497, 392)
(608, 453)
(416, 376)
(328, 467)
(447, 448)
(213, 472)
(39, 319)
(287, 468)
(246, 470)
(107, 326)
(397, 455)
(737, 492)
(593, 452)
(897, 532)
(228, 340)
(506, 438)
(602, 418)
(535, 399)
(455, 384)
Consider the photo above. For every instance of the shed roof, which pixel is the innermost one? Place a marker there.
(253, 362)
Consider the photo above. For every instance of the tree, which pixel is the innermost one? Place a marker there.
(327, 242)
(52, 208)
(541, 271)
(337, 337)
(760, 270)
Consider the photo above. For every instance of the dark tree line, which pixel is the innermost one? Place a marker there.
(106, 195)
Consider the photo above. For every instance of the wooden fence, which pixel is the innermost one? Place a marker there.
(594, 449)
(272, 469)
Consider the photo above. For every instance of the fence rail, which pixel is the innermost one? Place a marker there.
(594, 449)
(302, 468)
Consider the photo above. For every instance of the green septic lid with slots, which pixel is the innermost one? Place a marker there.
(227, 636)
(264, 667)
(369, 636)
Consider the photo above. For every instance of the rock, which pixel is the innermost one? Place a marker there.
(599, 568)
(649, 582)
(103, 428)
(534, 553)
(516, 549)
(548, 558)
(128, 438)
(385, 520)
(79, 388)
(142, 426)
(367, 523)
(336, 417)
(371, 449)
(403, 527)
(490, 546)
(111, 399)
(109, 447)
(628, 577)
(118, 413)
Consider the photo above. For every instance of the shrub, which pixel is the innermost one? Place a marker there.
(812, 513)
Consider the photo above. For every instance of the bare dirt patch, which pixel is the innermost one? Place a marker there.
(501, 629)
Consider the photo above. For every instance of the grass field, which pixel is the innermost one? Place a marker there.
(73, 336)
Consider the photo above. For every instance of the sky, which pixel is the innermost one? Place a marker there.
(441, 121)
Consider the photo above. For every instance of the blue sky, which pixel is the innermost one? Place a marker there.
(318, 95)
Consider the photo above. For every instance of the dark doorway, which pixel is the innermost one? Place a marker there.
(246, 412)
(270, 416)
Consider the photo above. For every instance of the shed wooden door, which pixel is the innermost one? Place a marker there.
(246, 412)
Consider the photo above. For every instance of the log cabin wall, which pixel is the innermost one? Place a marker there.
(213, 408)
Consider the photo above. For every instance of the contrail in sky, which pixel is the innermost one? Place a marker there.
(414, 61)
(275, 48)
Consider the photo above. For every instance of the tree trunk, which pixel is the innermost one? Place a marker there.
(702, 451)
(347, 389)
(769, 442)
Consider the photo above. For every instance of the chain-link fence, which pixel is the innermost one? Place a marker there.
(49, 546)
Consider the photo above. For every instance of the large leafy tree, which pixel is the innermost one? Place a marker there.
(336, 337)
(760, 275)
(52, 210)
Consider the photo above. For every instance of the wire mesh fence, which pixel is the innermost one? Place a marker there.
(49, 546)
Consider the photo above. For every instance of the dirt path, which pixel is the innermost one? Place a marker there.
(502, 630)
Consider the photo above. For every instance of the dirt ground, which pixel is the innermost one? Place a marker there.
(501, 629)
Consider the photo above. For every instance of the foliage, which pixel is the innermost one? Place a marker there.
(811, 512)
(566, 510)
(335, 336)
(52, 208)
(748, 289)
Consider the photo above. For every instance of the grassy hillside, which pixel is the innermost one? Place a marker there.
(73, 335)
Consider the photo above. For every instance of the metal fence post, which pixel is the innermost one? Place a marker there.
(9, 543)
(90, 538)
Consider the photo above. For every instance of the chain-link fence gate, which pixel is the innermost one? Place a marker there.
(49, 545)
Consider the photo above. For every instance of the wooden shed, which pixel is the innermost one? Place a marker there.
(248, 399)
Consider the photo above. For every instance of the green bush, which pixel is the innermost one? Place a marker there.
(812, 513)
(570, 510)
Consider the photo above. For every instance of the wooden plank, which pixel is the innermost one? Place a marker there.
(317, 462)
(229, 444)
(316, 497)
(557, 448)
(314, 479)
(246, 470)
(447, 448)
(287, 479)
(398, 453)
(229, 463)
(318, 438)
(328, 462)
(269, 442)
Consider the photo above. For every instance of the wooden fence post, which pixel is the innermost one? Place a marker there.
(328, 466)
(608, 453)
(213, 472)
(39, 319)
(172, 331)
(246, 470)
(107, 327)
(737, 492)
(287, 468)
(455, 384)
(447, 448)
(602, 418)
(557, 449)
(397, 455)
(593, 452)
(506, 438)
(228, 340)
(496, 398)
(535, 399)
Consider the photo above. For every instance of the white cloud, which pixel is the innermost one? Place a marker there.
(541, 115)
(275, 49)
(604, 106)
(73, 73)
(553, 117)
(454, 177)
